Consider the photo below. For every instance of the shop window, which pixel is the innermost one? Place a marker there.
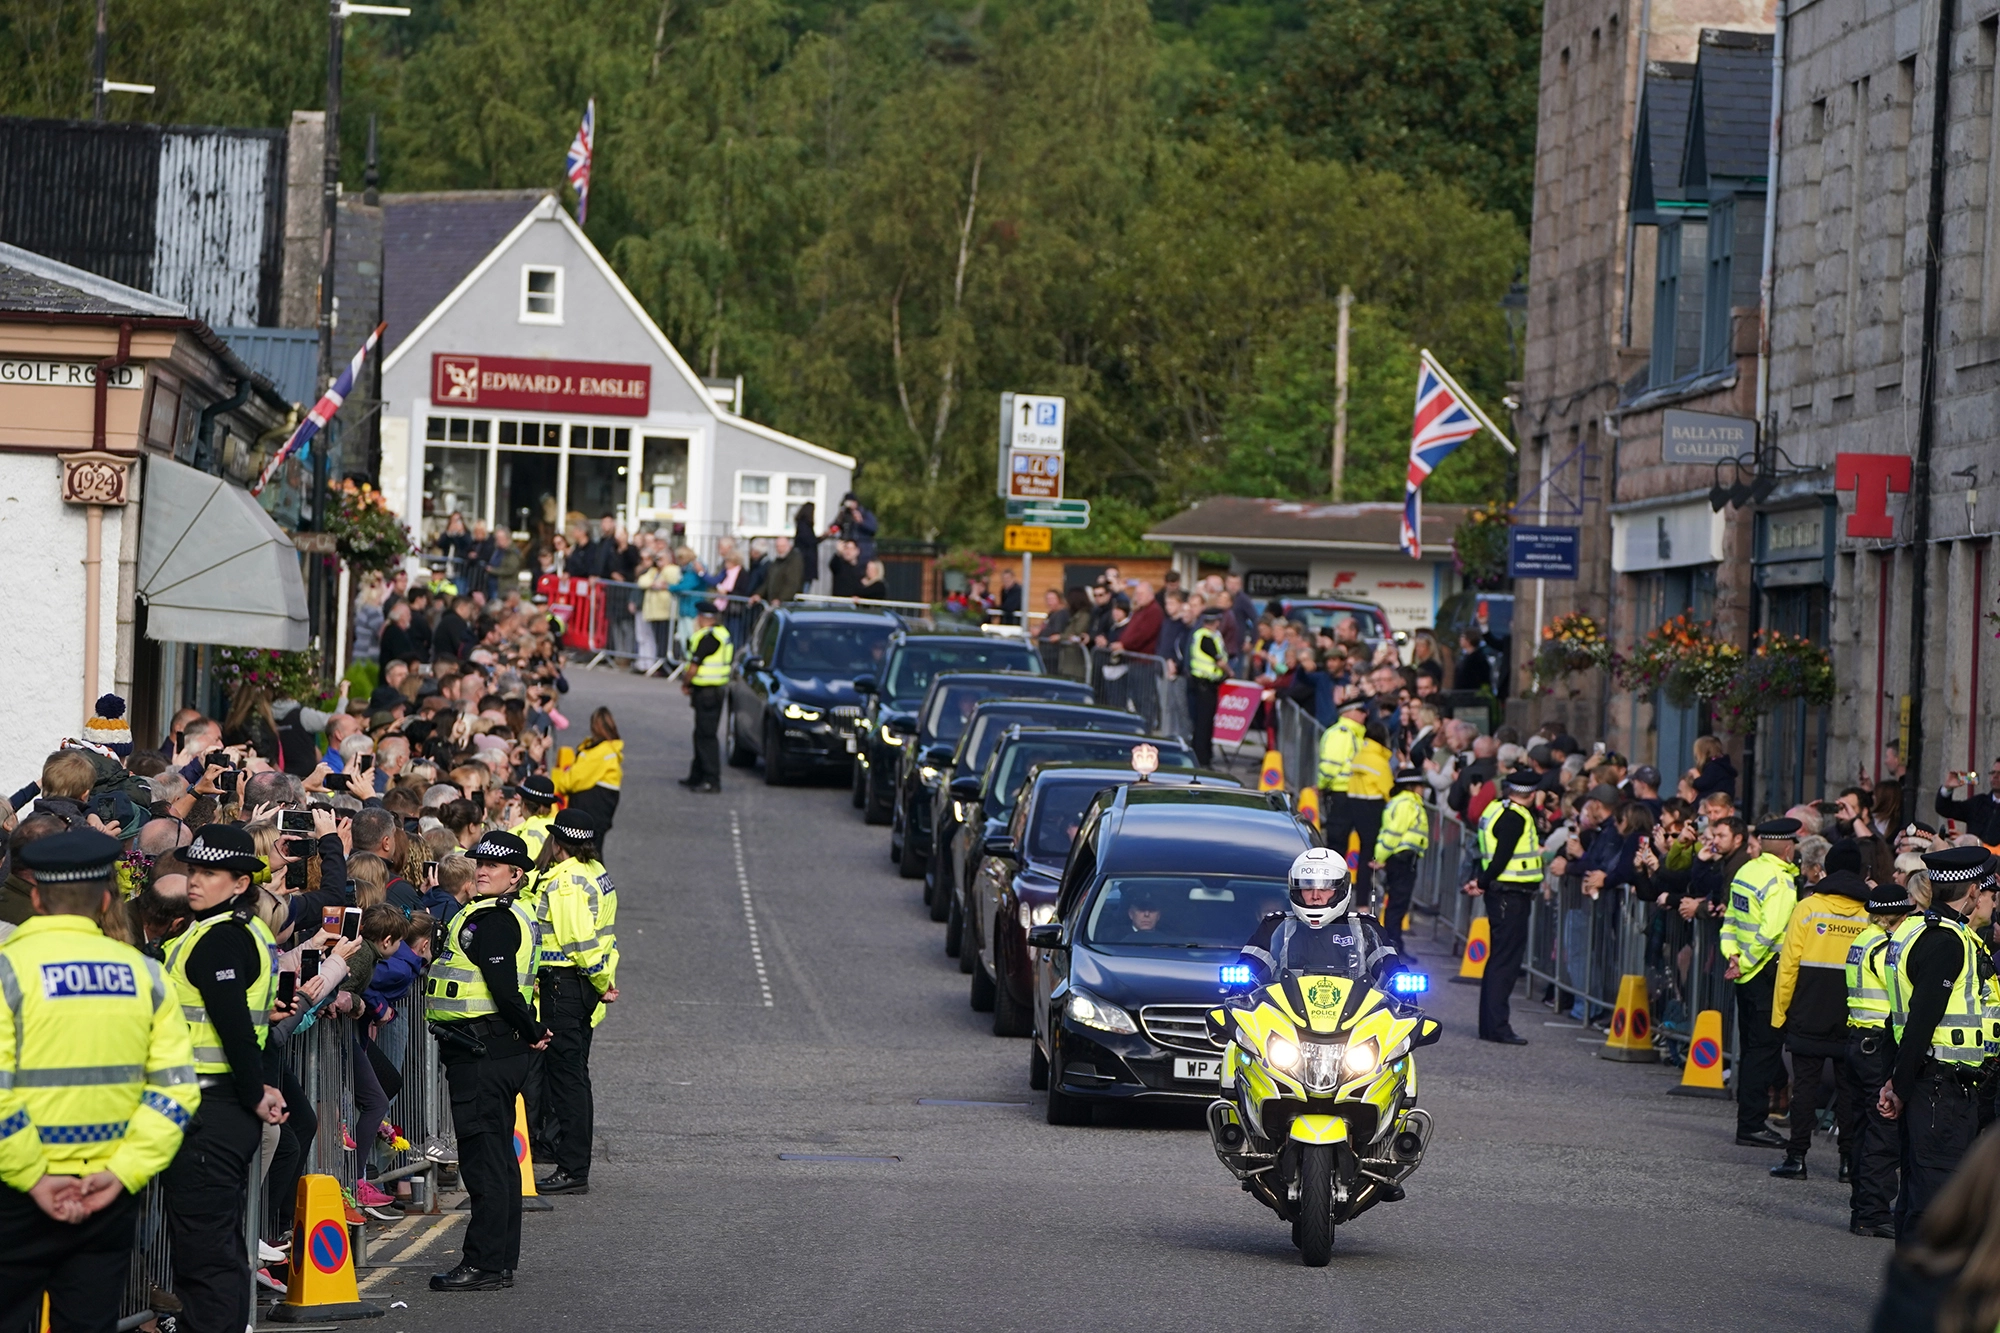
(454, 483)
(541, 295)
(531, 434)
(663, 476)
(459, 430)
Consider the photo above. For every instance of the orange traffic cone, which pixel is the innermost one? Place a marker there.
(1478, 944)
(1309, 805)
(1272, 778)
(1631, 1036)
(322, 1285)
(1701, 1076)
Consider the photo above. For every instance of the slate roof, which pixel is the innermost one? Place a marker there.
(1228, 520)
(1661, 138)
(35, 284)
(1729, 121)
(431, 241)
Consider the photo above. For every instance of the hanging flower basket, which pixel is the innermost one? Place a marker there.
(1780, 669)
(1683, 659)
(1479, 548)
(365, 532)
(1570, 644)
(280, 675)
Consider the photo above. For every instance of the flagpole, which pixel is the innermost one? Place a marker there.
(1470, 404)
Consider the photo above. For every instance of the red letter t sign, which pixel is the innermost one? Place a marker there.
(1871, 477)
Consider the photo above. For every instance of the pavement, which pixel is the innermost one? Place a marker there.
(784, 993)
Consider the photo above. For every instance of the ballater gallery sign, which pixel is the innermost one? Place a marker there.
(601, 388)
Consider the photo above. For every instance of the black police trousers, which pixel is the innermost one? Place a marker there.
(1760, 1050)
(707, 701)
(1876, 1159)
(1201, 719)
(1507, 918)
(482, 1112)
(1808, 1071)
(206, 1186)
(1336, 819)
(1399, 881)
(569, 1002)
(82, 1266)
(1939, 1123)
(1364, 818)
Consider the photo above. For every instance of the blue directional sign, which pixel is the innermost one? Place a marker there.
(1541, 553)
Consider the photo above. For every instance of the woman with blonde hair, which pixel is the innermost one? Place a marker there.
(368, 874)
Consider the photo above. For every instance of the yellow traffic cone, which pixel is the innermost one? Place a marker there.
(1478, 944)
(1273, 776)
(1631, 1036)
(531, 1199)
(1309, 805)
(322, 1285)
(1701, 1076)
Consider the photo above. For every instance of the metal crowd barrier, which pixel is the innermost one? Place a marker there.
(322, 1059)
(1138, 683)
(609, 622)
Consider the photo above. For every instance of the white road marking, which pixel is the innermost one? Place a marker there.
(410, 1251)
(749, 912)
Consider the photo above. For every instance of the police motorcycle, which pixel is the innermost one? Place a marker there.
(1318, 1117)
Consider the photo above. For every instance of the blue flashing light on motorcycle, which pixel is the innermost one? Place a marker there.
(1236, 974)
(1409, 983)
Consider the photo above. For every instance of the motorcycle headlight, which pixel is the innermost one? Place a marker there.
(1092, 1012)
(1362, 1059)
(800, 713)
(1038, 915)
(1283, 1053)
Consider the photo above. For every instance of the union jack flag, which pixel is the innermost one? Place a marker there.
(1446, 418)
(322, 413)
(578, 163)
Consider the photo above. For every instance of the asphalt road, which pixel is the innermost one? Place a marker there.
(1561, 1191)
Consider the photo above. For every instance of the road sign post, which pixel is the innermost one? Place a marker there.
(1031, 445)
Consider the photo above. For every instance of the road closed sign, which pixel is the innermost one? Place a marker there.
(1236, 704)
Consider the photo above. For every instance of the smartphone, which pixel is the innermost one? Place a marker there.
(363, 762)
(308, 964)
(350, 923)
(295, 821)
(288, 989)
(226, 783)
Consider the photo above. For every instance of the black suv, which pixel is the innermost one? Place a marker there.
(893, 695)
(948, 708)
(792, 697)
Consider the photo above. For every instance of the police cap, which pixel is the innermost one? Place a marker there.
(1523, 780)
(1782, 828)
(1884, 899)
(575, 825)
(504, 849)
(1409, 777)
(72, 857)
(537, 789)
(1955, 865)
(223, 847)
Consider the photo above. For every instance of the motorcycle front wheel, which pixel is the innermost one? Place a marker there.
(1315, 1221)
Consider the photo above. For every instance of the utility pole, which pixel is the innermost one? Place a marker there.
(1345, 302)
(98, 52)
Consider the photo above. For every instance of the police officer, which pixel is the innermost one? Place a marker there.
(1761, 898)
(1320, 931)
(98, 1086)
(479, 1000)
(1338, 745)
(1405, 837)
(538, 809)
(709, 655)
(579, 974)
(1511, 858)
(1871, 1056)
(1208, 664)
(1937, 974)
(224, 968)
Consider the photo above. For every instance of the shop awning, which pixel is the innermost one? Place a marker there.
(213, 567)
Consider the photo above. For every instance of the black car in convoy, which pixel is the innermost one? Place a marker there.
(893, 694)
(941, 720)
(990, 721)
(1015, 888)
(791, 695)
(1163, 886)
(991, 804)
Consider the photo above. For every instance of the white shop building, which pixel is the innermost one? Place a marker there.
(524, 383)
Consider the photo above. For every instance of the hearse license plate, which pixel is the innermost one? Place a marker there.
(1199, 1071)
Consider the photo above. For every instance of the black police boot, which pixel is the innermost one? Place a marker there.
(1792, 1168)
(467, 1278)
(1878, 1233)
(1762, 1138)
(1390, 1194)
(562, 1182)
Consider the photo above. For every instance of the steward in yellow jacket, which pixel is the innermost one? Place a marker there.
(1369, 782)
(579, 975)
(1809, 1002)
(1405, 837)
(593, 775)
(97, 1084)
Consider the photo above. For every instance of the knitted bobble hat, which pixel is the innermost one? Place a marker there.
(108, 727)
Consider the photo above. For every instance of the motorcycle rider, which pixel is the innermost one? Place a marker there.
(1321, 932)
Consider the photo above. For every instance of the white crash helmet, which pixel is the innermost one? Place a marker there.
(1321, 868)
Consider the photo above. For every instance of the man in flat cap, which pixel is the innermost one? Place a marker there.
(1937, 973)
(1761, 898)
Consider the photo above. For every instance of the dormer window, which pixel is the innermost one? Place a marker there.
(541, 294)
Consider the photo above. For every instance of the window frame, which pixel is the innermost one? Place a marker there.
(529, 316)
(777, 499)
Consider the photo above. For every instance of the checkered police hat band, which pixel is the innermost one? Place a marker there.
(203, 854)
(575, 834)
(75, 874)
(1954, 876)
(494, 850)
